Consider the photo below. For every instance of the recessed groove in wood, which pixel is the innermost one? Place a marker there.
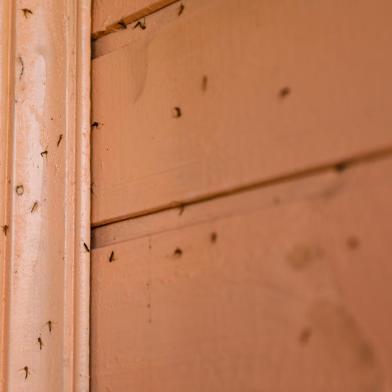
(298, 175)
(122, 23)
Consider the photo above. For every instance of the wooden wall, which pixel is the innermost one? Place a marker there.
(242, 196)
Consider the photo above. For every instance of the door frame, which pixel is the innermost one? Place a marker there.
(45, 195)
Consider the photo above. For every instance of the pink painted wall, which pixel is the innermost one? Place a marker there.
(241, 196)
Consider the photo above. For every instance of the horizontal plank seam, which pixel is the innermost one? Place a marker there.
(122, 24)
(338, 166)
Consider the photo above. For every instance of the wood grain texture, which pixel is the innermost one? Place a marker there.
(280, 289)
(263, 90)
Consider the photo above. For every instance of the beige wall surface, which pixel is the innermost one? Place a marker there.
(241, 196)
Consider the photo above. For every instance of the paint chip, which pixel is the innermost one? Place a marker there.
(21, 63)
(284, 92)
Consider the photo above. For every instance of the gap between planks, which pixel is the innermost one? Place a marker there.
(124, 22)
(340, 165)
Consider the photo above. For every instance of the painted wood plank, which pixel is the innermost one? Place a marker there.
(107, 13)
(280, 289)
(45, 64)
(227, 95)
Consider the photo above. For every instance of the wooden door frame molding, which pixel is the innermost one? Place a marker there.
(45, 195)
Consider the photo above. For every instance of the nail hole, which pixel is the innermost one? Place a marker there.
(341, 166)
(213, 237)
(353, 243)
(178, 252)
(305, 336)
(284, 92)
(204, 83)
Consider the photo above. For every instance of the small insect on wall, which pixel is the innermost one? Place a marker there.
(45, 195)
(241, 197)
